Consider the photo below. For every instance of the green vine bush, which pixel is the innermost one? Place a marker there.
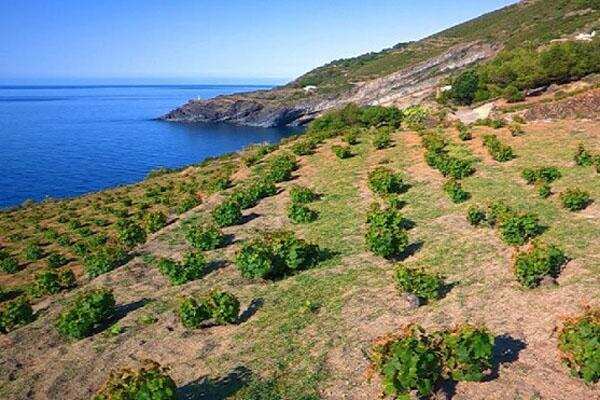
(342, 152)
(583, 158)
(575, 199)
(414, 361)
(302, 194)
(579, 345)
(425, 286)
(382, 139)
(14, 314)
(301, 214)
(155, 221)
(386, 234)
(275, 255)
(50, 281)
(498, 150)
(383, 180)
(227, 213)
(104, 260)
(129, 233)
(222, 307)
(149, 382)
(541, 260)
(193, 267)
(454, 190)
(205, 237)
(88, 311)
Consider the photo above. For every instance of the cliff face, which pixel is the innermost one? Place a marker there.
(294, 106)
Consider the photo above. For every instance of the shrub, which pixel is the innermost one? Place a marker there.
(415, 361)
(384, 181)
(544, 190)
(408, 363)
(192, 312)
(304, 147)
(381, 116)
(51, 282)
(187, 203)
(351, 136)
(193, 267)
(540, 261)
(56, 260)
(301, 214)
(575, 199)
(249, 195)
(155, 221)
(227, 213)
(454, 190)
(464, 133)
(224, 307)
(275, 255)
(475, 215)
(543, 174)
(301, 194)
(464, 87)
(467, 353)
(418, 282)
(256, 152)
(104, 260)
(513, 95)
(15, 313)
(386, 236)
(279, 168)
(150, 382)
(205, 237)
(382, 139)
(499, 151)
(582, 157)
(517, 229)
(516, 129)
(129, 233)
(8, 263)
(342, 151)
(579, 345)
(87, 311)
(33, 252)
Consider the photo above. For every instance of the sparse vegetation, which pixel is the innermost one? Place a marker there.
(575, 199)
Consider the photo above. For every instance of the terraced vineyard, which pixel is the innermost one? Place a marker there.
(302, 271)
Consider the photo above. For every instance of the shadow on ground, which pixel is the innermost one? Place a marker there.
(207, 388)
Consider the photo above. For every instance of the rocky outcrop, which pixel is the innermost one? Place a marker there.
(291, 106)
(582, 106)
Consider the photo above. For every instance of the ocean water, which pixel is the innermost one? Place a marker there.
(63, 141)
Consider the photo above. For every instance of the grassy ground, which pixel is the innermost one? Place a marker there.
(310, 332)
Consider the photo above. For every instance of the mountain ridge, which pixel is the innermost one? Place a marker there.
(363, 79)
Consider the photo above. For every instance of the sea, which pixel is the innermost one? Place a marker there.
(64, 141)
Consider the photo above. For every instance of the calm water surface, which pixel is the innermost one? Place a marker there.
(64, 141)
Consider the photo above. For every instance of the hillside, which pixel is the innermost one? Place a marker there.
(449, 250)
(404, 75)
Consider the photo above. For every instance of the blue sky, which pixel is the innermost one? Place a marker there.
(205, 40)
